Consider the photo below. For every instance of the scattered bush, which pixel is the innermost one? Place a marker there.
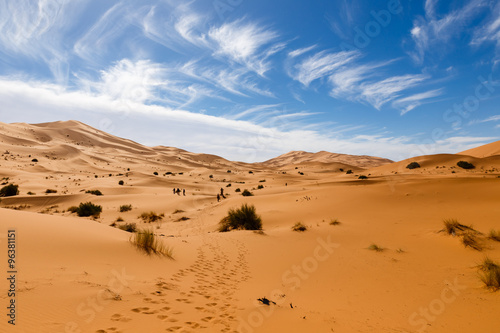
(178, 211)
(72, 209)
(48, 191)
(184, 218)
(94, 192)
(237, 190)
(413, 165)
(250, 171)
(348, 172)
(494, 235)
(211, 176)
(335, 222)
(125, 208)
(301, 173)
(119, 219)
(121, 182)
(490, 274)
(30, 193)
(9, 190)
(148, 242)
(228, 185)
(151, 217)
(34, 160)
(362, 177)
(299, 227)
(262, 181)
(246, 193)
(244, 217)
(88, 209)
(155, 173)
(260, 187)
(128, 227)
(465, 165)
(453, 227)
(376, 248)
(469, 239)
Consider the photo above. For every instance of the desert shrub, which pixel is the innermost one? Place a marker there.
(335, 222)
(246, 193)
(301, 173)
(299, 227)
(50, 191)
(128, 227)
(453, 227)
(362, 177)
(237, 190)
(151, 217)
(376, 248)
(262, 181)
(72, 209)
(490, 274)
(211, 176)
(125, 208)
(30, 193)
(260, 187)
(9, 190)
(413, 165)
(184, 218)
(250, 171)
(494, 235)
(178, 211)
(148, 242)
(121, 182)
(228, 185)
(465, 165)
(244, 217)
(94, 192)
(34, 160)
(470, 239)
(348, 172)
(119, 219)
(89, 209)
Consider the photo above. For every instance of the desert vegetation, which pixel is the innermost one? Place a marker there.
(147, 241)
(150, 217)
(465, 165)
(299, 227)
(245, 218)
(88, 209)
(125, 208)
(9, 190)
(413, 165)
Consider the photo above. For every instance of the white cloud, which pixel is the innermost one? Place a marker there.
(407, 104)
(489, 31)
(299, 52)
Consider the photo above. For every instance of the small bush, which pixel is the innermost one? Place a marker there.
(362, 177)
(469, 239)
(125, 208)
(494, 235)
(228, 185)
(348, 172)
(262, 181)
(34, 160)
(244, 217)
(30, 193)
(72, 209)
(148, 242)
(490, 274)
(211, 176)
(9, 190)
(151, 217)
(89, 209)
(155, 173)
(465, 165)
(178, 211)
(48, 191)
(94, 192)
(237, 190)
(246, 193)
(260, 187)
(299, 227)
(119, 219)
(121, 182)
(376, 248)
(453, 227)
(413, 165)
(184, 218)
(128, 227)
(335, 222)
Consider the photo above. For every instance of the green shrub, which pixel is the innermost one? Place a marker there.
(125, 208)
(151, 217)
(9, 190)
(94, 192)
(413, 165)
(299, 227)
(244, 218)
(89, 209)
(465, 165)
(246, 193)
(148, 242)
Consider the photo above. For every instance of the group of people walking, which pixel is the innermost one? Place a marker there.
(221, 195)
(178, 191)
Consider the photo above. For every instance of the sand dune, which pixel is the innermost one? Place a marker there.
(490, 149)
(79, 274)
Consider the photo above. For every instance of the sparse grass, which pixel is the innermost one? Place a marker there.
(244, 217)
(454, 228)
(151, 217)
(494, 235)
(335, 222)
(148, 242)
(88, 209)
(470, 239)
(94, 192)
(299, 227)
(376, 248)
(246, 193)
(48, 191)
(184, 218)
(9, 190)
(178, 211)
(490, 274)
(125, 208)
(128, 227)
(18, 207)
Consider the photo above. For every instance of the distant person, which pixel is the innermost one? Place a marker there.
(218, 197)
(178, 191)
(184, 192)
(221, 191)
(286, 184)
(174, 190)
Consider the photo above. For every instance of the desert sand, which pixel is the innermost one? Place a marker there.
(79, 274)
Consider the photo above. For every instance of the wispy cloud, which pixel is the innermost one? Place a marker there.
(301, 51)
(407, 104)
(490, 30)
(433, 31)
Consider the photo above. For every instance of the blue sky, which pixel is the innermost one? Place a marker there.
(249, 80)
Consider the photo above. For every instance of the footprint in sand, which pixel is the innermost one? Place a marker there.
(162, 317)
(119, 317)
(174, 328)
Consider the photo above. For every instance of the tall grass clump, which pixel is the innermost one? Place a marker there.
(376, 248)
(94, 192)
(88, 209)
(125, 208)
(151, 217)
(9, 190)
(244, 217)
(454, 228)
(148, 242)
(299, 227)
(470, 239)
(128, 227)
(490, 274)
(494, 235)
